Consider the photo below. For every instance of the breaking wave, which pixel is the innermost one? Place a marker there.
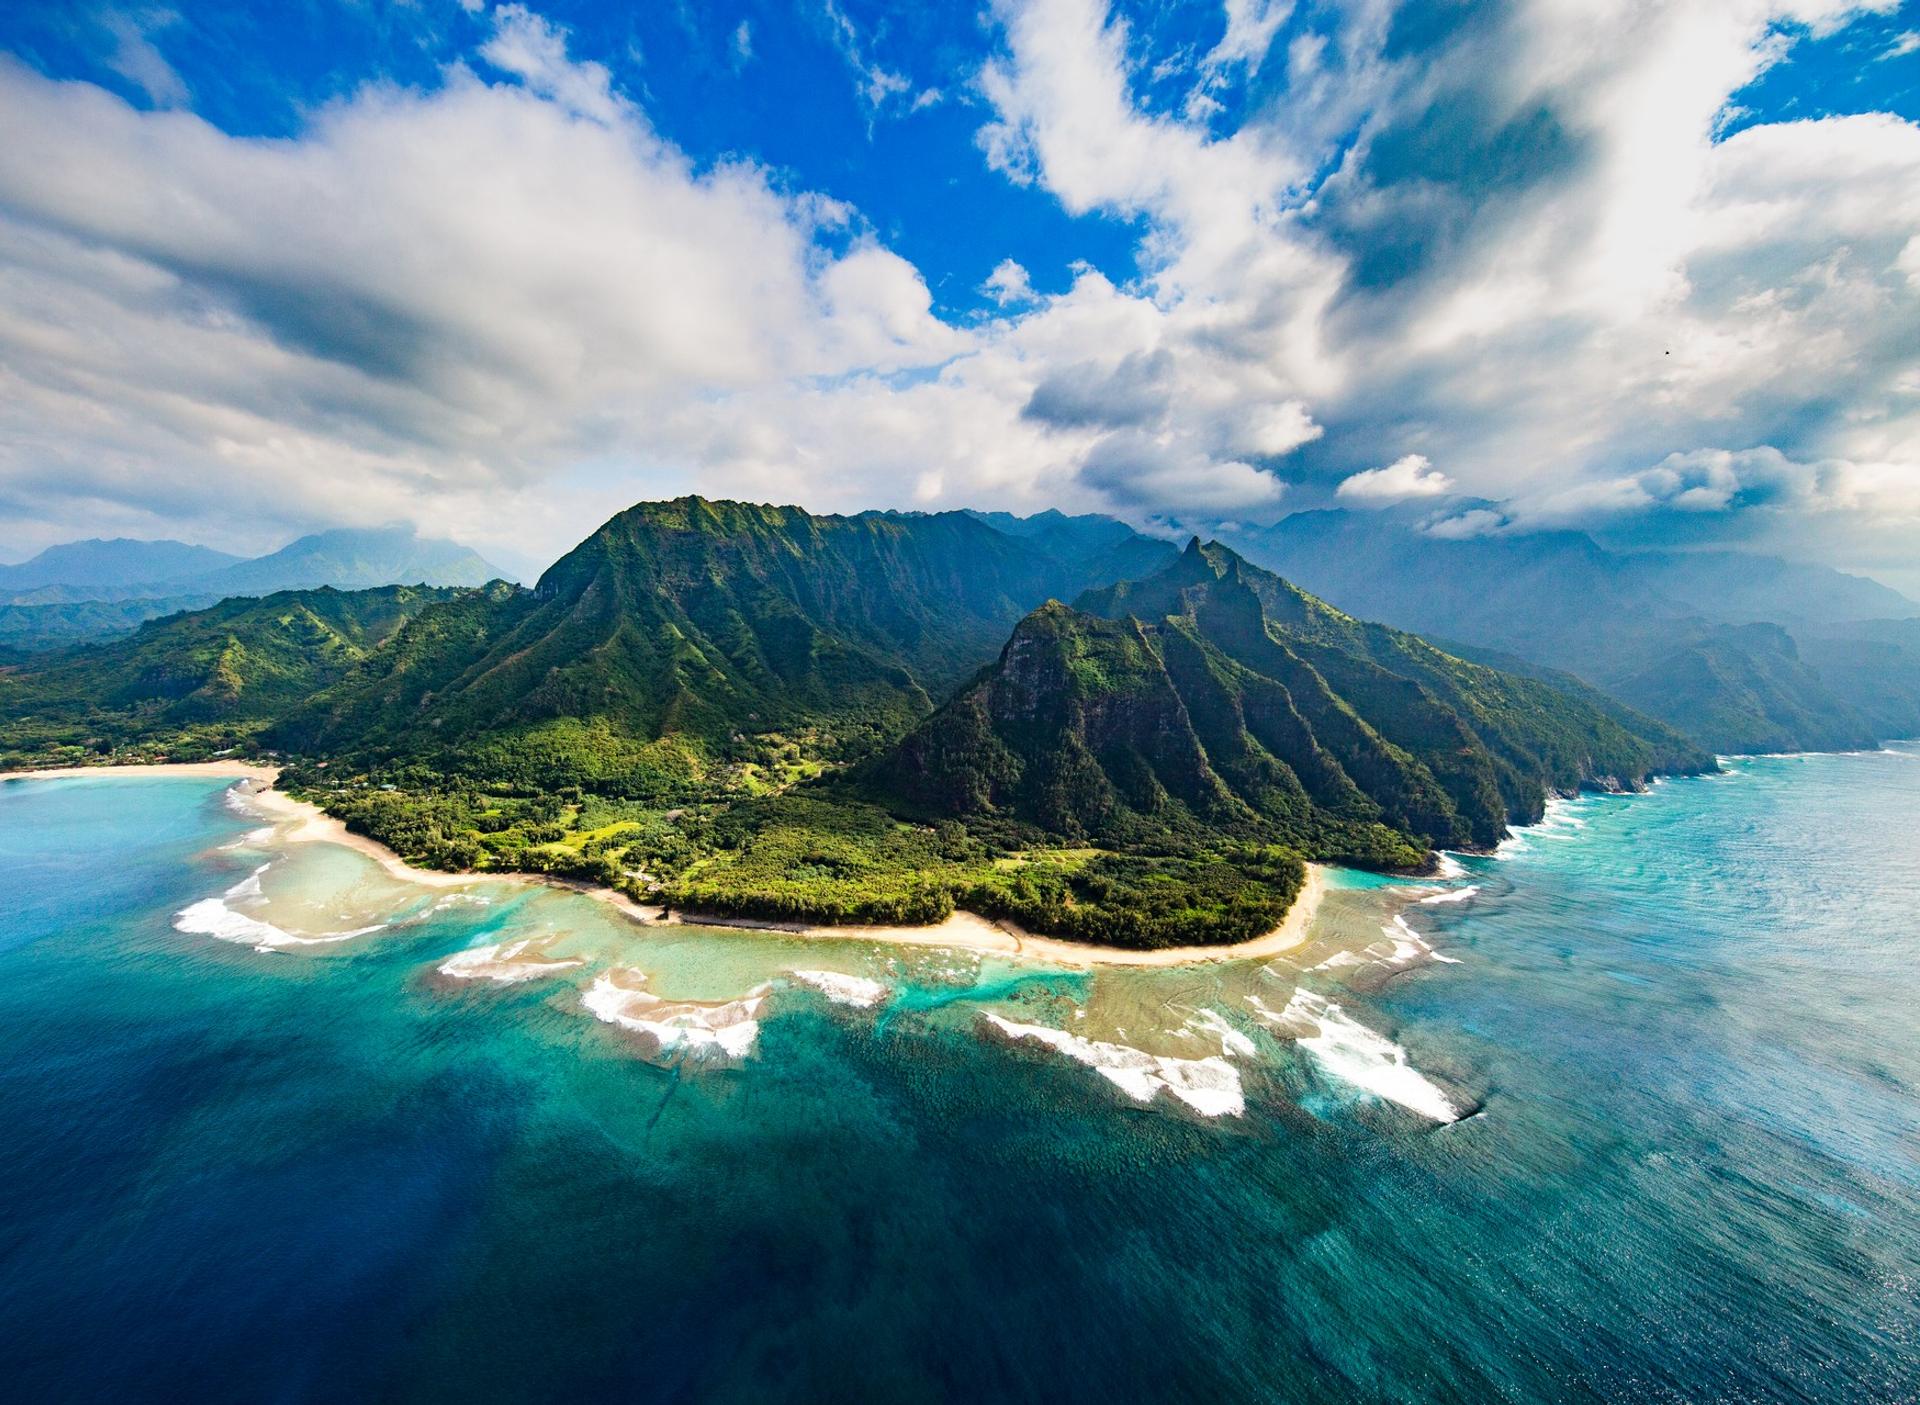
(217, 918)
(1210, 1086)
(727, 1027)
(1351, 1053)
(843, 989)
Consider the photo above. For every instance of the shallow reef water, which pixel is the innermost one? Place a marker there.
(1628, 1111)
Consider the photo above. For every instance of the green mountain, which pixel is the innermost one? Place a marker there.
(1217, 700)
(687, 636)
(38, 628)
(199, 681)
(756, 710)
(1747, 689)
(150, 579)
(1683, 637)
(1873, 664)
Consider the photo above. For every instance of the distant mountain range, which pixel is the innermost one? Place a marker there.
(93, 590)
(1741, 652)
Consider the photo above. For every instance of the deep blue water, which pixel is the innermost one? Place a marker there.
(1687, 1019)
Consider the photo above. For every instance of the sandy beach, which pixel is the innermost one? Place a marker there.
(971, 932)
(301, 822)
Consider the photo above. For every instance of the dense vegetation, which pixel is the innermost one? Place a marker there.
(648, 657)
(726, 708)
(1215, 702)
(190, 685)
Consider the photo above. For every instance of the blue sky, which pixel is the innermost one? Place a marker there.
(1647, 269)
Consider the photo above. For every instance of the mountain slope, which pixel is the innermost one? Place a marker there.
(1650, 629)
(124, 571)
(354, 558)
(39, 628)
(680, 631)
(189, 680)
(1747, 689)
(115, 564)
(1215, 699)
(1875, 666)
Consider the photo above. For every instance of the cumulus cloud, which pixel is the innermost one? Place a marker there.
(1409, 476)
(1527, 242)
(535, 51)
(1009, 283)
(425, 302)
(1463, 526)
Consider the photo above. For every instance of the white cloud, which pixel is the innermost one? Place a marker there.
(135, 58)
(875, 84)
(1251, 25)
(1409, 476)
(1009, 283)
(1464, 526)
(425, 307)
(535, 51)
(1527, 250)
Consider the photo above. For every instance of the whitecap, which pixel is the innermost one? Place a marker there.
(1452, 895)
(1210, 1086)
(1353, 1054)
(1341, 958)
(1400, 948)
(1232, 1041)
(727, 1027)
(252, 839)
(843, 989)
(214, 917)
(505, 963)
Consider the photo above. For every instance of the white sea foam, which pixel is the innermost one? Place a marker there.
(453, 900)
(1232, 1041)
(1400, 948)
(505, 963)
(1450, 867)
(843, 989)
(216, 918)
(211, 917)
(727, 1027)
(1210, 1086)
(1340, 959)
(1360, 1057)
(252, 839)
(1453, 895)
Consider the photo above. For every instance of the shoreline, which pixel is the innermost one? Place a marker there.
(302, 822)
(996, 937)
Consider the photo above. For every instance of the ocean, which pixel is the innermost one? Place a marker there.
(1629, 1111)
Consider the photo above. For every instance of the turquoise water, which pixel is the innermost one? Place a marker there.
(1683, 1024)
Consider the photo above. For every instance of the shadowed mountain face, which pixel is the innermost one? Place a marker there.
(678, 626)
(1695, 639)
(1217, 698)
